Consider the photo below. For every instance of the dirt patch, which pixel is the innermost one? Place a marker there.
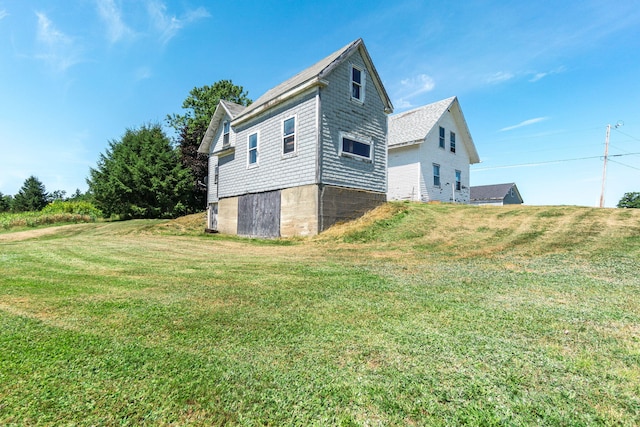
(40, 232)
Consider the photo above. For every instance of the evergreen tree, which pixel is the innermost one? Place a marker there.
(32, 196)
(140, 176)
(5, 202)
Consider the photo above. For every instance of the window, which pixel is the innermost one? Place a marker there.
(441, 137)
(289, 135)
(225, 134)
(452, 141)
(357, 84)
(436, 175)
(356, 148)
(458, 180)
(253, 149)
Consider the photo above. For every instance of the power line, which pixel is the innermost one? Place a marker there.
(553, 161)
(624, 164)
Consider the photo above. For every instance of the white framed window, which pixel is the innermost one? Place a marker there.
(436, 175)
(226, 126)
(289, 135)
(252, 150)
(441, 143)
(357, 83)
(452, 142)
(458, 180)
(355, 147)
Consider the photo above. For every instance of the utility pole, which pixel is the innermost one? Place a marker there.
(604, 168)
(606, 157)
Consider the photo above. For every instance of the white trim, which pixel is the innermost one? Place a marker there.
(257, 150)
(362, 84)
(295, 136)
(366, 141)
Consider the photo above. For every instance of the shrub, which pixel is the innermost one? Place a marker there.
(72, 207)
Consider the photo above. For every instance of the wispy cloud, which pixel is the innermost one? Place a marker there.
(524, 123)
(168, 25)
(412, 87)
(142, 73)
(3, 13)
(112, 17)
(541, 75)
(56, 48)
(499, 77)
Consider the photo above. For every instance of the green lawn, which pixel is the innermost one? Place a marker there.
(432, 315)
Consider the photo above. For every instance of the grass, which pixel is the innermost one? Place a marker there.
(414, 315)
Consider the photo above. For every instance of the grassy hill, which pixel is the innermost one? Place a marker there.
(413, 315)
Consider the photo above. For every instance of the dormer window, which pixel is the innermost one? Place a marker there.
(357, 84)
(225, 134)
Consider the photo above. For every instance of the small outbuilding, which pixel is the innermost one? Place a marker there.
(496, 194)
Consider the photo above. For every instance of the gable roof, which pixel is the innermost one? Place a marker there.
(223, 108)
(413, 126)
(492, 191)
(313, 76)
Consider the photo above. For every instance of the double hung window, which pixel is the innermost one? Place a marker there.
(225, 133)
(452, 142)
(289, 135)
(436, 175)
(253, 150)
(458, 180)
(357, 84)
(441, 142)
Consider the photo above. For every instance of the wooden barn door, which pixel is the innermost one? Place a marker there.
(259, 214)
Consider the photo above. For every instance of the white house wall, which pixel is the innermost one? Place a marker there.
(449, 162)
(404, 174)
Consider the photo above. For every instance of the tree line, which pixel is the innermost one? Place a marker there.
(145, 174)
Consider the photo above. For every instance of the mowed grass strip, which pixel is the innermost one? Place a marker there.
(396, 323)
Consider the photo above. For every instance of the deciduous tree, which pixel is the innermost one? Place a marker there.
(191, 127)
(630, 200)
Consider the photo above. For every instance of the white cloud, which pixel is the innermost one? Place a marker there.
(500, 77)
(539, 76)
(524, 123)
(416, 85)
(56, 48)
(411, 87)
(111, 15)
(3, 13)
(168, 26)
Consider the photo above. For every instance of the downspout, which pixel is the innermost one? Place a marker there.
(318, 157)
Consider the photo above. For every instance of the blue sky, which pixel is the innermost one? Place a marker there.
(538, 81)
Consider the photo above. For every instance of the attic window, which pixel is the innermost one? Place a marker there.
(225, 134)
(357, 84)
(452, 144)
(441, 137)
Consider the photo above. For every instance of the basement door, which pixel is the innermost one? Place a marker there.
(259, 214)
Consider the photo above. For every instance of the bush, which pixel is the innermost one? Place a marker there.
(73, 207)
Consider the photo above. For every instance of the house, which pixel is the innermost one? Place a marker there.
(308, 153)
(496, 194)
(430, 150)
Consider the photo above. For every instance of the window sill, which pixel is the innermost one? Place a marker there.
(356, 157)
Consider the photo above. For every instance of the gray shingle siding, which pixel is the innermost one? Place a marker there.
(365, 121)
(275, 170)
